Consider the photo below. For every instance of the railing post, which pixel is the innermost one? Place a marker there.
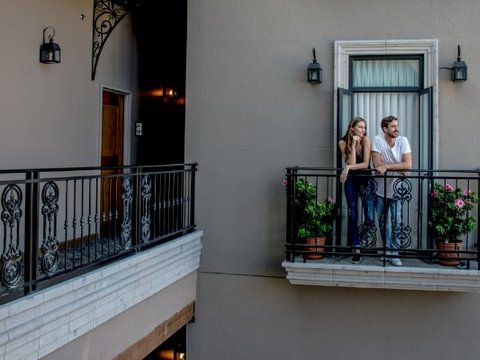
(31, 230)
(138, 208)
(478, 217)
(289, 249)
(192, 197)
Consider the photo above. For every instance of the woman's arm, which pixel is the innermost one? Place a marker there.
(351, 162)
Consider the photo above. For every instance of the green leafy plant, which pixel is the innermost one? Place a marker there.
(451, 213)
(314, 218)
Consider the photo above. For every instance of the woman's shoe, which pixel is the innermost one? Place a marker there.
(356, 259)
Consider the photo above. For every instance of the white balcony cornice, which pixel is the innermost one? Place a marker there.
(35, 325)
(322, 273)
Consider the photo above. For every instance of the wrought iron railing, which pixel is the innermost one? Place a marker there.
(412, 237)
(59, 223)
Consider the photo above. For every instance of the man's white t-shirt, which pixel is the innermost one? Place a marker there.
(390, 155)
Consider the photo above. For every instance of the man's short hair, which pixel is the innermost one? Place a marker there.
(387, 120)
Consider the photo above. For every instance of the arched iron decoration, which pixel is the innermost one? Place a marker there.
(106, 16)
(50, 195)
(11, 259)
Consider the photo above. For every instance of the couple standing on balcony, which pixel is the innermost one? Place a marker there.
(389, 152)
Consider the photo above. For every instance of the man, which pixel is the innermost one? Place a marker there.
(392, 153)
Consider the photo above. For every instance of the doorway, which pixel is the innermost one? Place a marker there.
(378, 78)
(112, 158)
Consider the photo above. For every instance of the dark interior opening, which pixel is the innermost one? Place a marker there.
(161, 29)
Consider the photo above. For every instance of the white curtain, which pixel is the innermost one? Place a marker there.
(373, 107)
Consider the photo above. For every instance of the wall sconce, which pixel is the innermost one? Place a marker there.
(314, 71)
(458, 69)
(50, 52)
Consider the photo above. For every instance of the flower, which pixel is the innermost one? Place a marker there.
(451, 214)
(314, 218)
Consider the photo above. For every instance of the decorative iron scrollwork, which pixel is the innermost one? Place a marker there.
(401, 232)
(11, 259)
(146, 218)
(50, 195)
(106, 16)
(367, 230)
(127, 199)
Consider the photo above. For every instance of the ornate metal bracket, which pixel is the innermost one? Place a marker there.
(106, 16)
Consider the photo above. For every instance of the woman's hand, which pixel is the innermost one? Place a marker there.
(344, 174)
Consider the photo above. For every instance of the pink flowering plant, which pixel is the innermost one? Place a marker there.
(314, 218)
(451, 214)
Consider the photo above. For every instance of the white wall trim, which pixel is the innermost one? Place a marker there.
(433, 278)
(427, 47)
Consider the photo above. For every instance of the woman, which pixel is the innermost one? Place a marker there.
(355, 147)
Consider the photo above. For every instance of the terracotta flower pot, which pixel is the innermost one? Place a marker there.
(449, 258)
(316, 253)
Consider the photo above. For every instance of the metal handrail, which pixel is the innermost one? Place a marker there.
(58, 223)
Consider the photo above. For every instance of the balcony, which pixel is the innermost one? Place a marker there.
(412, 240)
(82, 246)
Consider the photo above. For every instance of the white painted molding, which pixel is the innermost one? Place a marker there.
(428, 47)
(324, 273)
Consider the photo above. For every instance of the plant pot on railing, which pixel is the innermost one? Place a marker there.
(450, 218)
(449, 258)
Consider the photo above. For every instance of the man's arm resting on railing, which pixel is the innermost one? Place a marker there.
(381, 167)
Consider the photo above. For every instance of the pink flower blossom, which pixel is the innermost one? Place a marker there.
(448, 187)
(459, 203)
(284, 182)
(434, 194)
(330, 200)
(467, 192)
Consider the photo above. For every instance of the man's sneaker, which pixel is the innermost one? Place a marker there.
(396, 261)
(356, 259)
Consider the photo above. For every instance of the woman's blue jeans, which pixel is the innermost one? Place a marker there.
(357, 186)
(386, 206)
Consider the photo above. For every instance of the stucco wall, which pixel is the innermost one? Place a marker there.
(251, 113)
(50, 113)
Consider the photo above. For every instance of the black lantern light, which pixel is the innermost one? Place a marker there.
(50, 52)
(459, 69)
(314, 71)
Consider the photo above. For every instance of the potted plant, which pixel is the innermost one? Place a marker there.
(314, 218)
(451, 216)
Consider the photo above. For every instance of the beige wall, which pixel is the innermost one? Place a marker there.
(251, 113)
(50, 113)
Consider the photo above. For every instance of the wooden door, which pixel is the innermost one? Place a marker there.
(113, 105)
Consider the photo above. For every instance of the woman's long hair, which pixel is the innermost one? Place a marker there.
(348, 137)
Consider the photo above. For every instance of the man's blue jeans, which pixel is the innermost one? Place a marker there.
(355, 187)
(389, 213)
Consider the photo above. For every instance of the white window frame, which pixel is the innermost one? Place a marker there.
(428, 47)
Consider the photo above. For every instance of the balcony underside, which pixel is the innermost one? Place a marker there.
(413, 275)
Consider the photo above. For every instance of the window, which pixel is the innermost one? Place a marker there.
(375, 79)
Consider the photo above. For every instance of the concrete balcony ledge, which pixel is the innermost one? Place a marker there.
(368, 274)
(37, 324)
